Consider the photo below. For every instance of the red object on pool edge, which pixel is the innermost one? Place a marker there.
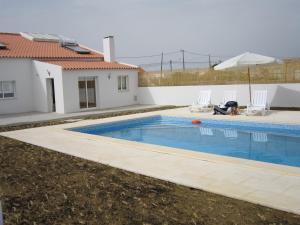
(196, 121)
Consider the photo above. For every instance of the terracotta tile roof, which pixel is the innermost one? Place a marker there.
(88, 64)
(20, 47)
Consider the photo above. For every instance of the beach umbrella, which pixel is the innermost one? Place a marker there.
(247, 60)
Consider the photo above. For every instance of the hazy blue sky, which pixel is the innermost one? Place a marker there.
(143, 27)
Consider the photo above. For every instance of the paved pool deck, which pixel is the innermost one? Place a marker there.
(19, 118)
(272, 185)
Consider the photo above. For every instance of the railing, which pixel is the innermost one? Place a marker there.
(288, 72)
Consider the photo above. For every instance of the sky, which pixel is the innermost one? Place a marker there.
(222, 28)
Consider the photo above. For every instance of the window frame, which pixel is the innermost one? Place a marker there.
(85, 80)
(120, 83)
(2, 92)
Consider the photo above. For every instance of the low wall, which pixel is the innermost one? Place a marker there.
(279, 95)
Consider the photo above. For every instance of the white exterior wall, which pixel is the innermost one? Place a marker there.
(280, 95)
(41, 72)
(32, 91)
(107, 94)
(19, 70)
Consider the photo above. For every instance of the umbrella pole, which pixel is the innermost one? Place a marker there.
(249, 83)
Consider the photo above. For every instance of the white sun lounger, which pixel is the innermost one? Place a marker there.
(258, 104)
(203, 102)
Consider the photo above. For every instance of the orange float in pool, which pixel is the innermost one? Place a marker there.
(196, 121)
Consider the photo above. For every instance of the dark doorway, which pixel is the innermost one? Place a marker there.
(51, 95)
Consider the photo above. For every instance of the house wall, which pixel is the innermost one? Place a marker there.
(279, 95)
(41, 72)
(32, 89)
(19, 70)
(107, 93)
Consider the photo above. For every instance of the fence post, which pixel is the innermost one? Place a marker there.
(183, 63)
(285, 72)
(161, 64)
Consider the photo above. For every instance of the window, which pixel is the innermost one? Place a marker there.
(123, 83)
(7, 89)
(2, 45)
(77, 49)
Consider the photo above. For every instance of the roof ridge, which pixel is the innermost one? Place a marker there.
(100, 59)
(10, 33)
(81, 65)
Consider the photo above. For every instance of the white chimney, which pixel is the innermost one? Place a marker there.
(109, 49)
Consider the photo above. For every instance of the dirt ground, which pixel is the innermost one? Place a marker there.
(41, 186)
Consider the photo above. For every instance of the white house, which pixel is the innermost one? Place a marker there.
(51, 73)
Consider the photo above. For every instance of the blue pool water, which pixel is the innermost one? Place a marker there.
(271, 143)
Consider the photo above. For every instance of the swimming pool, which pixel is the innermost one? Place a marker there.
(273, 143)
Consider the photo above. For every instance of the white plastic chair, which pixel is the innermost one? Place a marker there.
(203, 102)
(259, 103)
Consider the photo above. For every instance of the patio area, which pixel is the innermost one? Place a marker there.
(272, 116)
(10, 119)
